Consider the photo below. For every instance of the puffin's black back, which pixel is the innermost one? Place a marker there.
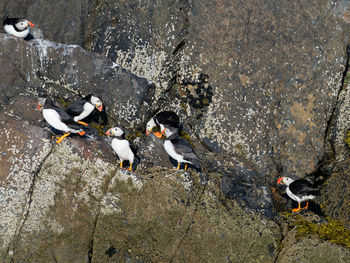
(303, 187)
(76, 107)
(168, 118)
(10, 21)
(64, 116)
(182, 147)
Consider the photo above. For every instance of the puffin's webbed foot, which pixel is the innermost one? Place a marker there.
(307, 205)
(83, 123)
(59, 139)
(130, 168)
(178, 166)
(296, 209)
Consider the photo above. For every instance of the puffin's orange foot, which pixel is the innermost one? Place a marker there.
(296, 209)
(130, 168)
(81, 133)
(83, 123)
(307, 205)
(59, 140)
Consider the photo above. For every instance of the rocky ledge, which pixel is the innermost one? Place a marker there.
(262, 92)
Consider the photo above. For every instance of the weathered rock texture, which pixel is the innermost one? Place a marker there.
(259, 90)
(274, 69)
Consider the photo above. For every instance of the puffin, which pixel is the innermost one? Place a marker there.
(59, 119)
(82, 108)
(163, 119)
(299, 190)
(121, 146)
(179, 149)
(18, 27)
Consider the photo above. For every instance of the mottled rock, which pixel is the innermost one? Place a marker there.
(254, 82)
(311, 250)
(276, 76)
(69, 71)
(61, 21)
(19, 68)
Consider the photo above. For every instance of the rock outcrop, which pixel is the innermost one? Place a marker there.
(261, 93)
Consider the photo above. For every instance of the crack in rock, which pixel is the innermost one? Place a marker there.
(26, 209)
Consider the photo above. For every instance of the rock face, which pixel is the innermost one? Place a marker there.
(278, 70)
(62, 21)
(259, 88)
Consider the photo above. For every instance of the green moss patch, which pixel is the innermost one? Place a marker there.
(347, 139)
(333, 231)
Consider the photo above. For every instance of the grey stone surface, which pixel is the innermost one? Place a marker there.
(257, 86)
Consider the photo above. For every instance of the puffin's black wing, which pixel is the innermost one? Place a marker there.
(76, 107)
(10, 21)
(183, 148)
(168, 118)
(64, 116)
(303, 187)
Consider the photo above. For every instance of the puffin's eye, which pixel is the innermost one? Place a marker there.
(156, 129)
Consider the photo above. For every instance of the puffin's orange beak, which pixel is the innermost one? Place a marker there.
(147, 132)
(158, 134)
(99, 107)
(279, 181)
(30, 24)
(39, 107)
(108, 132)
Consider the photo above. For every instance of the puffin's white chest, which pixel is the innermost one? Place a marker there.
(170, 149)
(292, 196)
(53, 118)
(11, 30)
(122, 149)
(87, 109)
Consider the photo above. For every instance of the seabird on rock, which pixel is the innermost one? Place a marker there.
(299, 190)
(179, 149)
(163, 119)
(58, 118)
(18, 27)
(82, 108)
(121, 146)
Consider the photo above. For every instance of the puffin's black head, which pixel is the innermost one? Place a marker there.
(23, 24)
(44, 103)
(117, 131)
(41, 104)
(94, 101)
(19, 23)
(285, 180)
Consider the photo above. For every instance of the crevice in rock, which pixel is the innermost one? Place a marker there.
(92, 241)
(197, 203)
(326, 164)
(179, 47)
(27, 206)
(91, 245)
